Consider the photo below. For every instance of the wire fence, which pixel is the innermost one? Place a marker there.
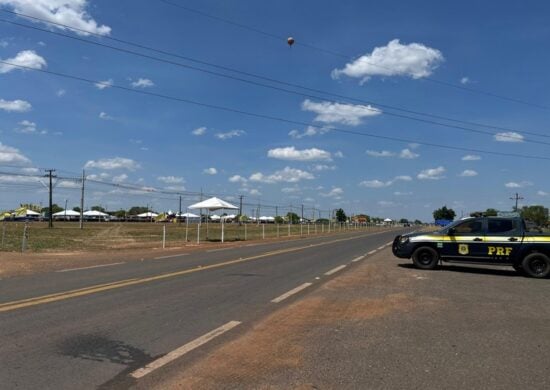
(67, 236)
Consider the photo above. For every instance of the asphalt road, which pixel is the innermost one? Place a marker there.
(93, 327)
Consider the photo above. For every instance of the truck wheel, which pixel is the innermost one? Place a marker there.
(425, 257)
(536, 265)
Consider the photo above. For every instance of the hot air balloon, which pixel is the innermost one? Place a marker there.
(290, 41)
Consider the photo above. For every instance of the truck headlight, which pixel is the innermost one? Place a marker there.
(403, 240)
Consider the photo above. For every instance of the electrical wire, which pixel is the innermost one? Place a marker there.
(349, 57)
(293, 85)
(276, 118)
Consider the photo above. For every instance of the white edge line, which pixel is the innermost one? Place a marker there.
(334, 270)
(358, 258)
(170, 256)
(93, 266)
(380, 247)
(177, 353)
(291, 292)
(371, 252)
(219, 249)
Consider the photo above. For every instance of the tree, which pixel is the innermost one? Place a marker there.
(417, 222)
(55, 209)
(279, 219)
(293, 217)
(135, 210)
(341, 216)
(403, 220)
(537, 214)
(444, 213)
(491, 212)
(77, 209)
(120, 213)
(98, 208)
(30, 206)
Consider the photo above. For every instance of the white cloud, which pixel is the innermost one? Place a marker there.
(386, 203)
(382, 153)
(18, 179)
(395, 59)
(380, 184)
(120, 178)
(26, 58)
(15, 105)
(471, 157)
(171, 179)
(287, 175)
(347, 114)
(175, 188)
(408, 154)
(290, 190)
(210, 171)
(468, 173)
(199, 131)
(113, 163)
(518, 185)
(12, 155)
(237, 179)
(399, 193)
(542, 193)
(432, 174)
(28, 127)
(335, 193)
(464, 80)
(323, 167)
(339, 154)
(69, 184)
(61, 92)
(310, 131)
(105, 116)
(290, 153)
(508, 136)
(70, 13)
(4, 43)
(142, 83)
(104, 84)
(230, 134)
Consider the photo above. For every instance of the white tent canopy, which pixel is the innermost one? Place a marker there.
(148, 214)
(388, 220)
(215, 217)
(68, 213)
(95, 213)
(213, 204)
(187, 215)
(31, 212)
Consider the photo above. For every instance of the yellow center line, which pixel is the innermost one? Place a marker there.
(14, 305)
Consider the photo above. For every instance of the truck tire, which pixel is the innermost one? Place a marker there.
(536, 265)
(425, 257)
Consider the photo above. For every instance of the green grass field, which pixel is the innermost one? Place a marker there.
(67, 236)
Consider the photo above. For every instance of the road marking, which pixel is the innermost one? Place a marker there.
(14, 305)
(93, 266)
(171, 256)
(380, 248)
(357, 259)
(371, 252)
(291, 292)
(220, 249)
(179, 352)
(389, 243)
(334, 270)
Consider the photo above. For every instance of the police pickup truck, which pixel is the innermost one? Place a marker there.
(485, 240)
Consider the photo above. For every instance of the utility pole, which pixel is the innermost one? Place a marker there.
(302, 220)
(516, 198)
(51, 176)
(82, 201)
(179, 220)
(240, 208)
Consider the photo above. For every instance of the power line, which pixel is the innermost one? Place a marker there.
(349, 57)
(276, 118)
(293, 85)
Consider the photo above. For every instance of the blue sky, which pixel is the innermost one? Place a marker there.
(389, 51)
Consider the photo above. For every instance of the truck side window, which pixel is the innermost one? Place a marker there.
(501, 226)
(469, 227)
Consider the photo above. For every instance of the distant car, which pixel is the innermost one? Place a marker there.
(486, 240)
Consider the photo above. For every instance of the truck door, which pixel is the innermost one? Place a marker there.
(465, 241)
(504, 238)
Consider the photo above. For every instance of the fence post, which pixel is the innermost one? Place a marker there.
(25, 237)
(164, 236)
(263, 231)
(289, 230)
(198, 233)
(245, 231)
(308, 229)
(277, 229)
(3, 233)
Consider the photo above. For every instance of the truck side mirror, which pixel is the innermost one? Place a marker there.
(451, 231)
